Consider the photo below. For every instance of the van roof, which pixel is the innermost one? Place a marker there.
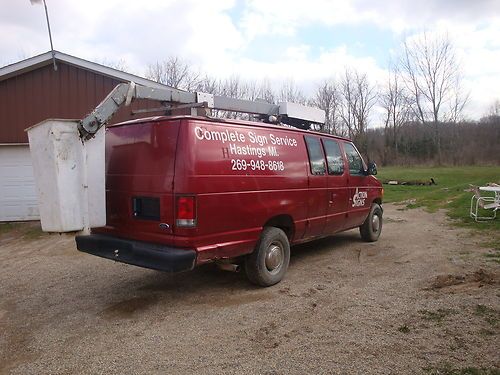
(225, 121)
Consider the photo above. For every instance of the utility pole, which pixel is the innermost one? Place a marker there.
(48, 27)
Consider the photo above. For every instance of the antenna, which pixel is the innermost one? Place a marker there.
(33, 2)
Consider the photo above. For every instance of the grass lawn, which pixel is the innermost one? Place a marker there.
(449, 193)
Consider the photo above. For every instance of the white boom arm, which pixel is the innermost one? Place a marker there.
(289, 113)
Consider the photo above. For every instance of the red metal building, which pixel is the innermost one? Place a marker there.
(30, 92)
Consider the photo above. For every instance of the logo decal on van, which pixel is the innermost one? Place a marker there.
(359, 197)
(247, 150)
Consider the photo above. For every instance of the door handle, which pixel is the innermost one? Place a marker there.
(332, 197)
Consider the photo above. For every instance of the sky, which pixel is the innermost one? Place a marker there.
(274, 40)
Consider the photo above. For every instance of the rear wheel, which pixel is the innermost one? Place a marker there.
(268, 263)
(372, 227)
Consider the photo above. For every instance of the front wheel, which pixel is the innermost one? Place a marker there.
(372, 227)
(268, 263)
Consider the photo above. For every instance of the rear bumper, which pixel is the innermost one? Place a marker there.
(142, 254)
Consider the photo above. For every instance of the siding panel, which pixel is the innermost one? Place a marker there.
(70, 92)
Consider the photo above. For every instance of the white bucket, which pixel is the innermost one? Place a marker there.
(69, 176)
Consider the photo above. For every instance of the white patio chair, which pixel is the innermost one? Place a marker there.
(478, 202)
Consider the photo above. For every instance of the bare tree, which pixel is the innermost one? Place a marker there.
(174, 72)
(358, 98)
(266, 92)
(289, 92)
(458, 100)
(347, 104)
(494, 110)
(432, 74)
(396, 104)
(328, 98)
(208, 85)
(261, 91)
(234, 87)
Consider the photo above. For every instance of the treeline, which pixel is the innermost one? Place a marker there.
(463, 143)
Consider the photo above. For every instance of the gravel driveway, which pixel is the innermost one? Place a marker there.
(423, 299)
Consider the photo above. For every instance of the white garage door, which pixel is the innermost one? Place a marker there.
(18, 199)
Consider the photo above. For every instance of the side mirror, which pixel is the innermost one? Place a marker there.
(372, 168)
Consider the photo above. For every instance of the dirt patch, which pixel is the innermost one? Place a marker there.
(477, 278)
(128, 307)
(421, 300)
(18, 231)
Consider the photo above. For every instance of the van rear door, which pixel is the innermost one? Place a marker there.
(140, 159)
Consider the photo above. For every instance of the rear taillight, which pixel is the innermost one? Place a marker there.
(186, 211)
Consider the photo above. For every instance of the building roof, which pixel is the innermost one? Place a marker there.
(46, 58)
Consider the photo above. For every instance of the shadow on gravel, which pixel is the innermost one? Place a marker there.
(208, 278)
(207, 285)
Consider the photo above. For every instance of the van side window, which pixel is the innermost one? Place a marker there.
(354, 159)
(316, 158)
(333, 157)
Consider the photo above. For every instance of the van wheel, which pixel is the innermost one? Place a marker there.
(372, 227)
(268, 263)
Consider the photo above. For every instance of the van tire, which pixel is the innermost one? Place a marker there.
(269, 261)
(372, 227)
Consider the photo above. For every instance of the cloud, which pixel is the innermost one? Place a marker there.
(258, 39)
(140, 32)
(287, 17)
(404, 15)
(282, 17)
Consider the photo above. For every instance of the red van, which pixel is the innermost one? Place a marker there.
(183, 191)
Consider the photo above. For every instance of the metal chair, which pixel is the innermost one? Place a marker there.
(478, 202)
